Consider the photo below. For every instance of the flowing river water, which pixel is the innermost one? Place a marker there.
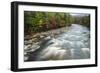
(72, 44)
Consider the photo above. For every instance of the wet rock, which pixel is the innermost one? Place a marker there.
(28, 42)
(34, 47)
(27, 47)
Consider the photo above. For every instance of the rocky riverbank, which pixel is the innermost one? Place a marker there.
(32, 43)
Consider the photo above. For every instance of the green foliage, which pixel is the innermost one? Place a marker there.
(35, 21)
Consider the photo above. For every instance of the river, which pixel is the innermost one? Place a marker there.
(72, 44)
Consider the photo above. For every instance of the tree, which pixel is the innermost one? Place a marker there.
(35, 21)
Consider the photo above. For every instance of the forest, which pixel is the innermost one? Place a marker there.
(35, 21)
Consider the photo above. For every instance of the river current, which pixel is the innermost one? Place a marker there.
(72, 44)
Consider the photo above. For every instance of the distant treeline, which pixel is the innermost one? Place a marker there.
(42, 21)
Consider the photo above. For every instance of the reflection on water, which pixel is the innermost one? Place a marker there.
(72, 44)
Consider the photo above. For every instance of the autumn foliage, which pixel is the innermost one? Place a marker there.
(35, 21)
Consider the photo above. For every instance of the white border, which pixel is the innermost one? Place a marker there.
(22, 64)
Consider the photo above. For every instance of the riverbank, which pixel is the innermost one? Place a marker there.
(32, 43)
